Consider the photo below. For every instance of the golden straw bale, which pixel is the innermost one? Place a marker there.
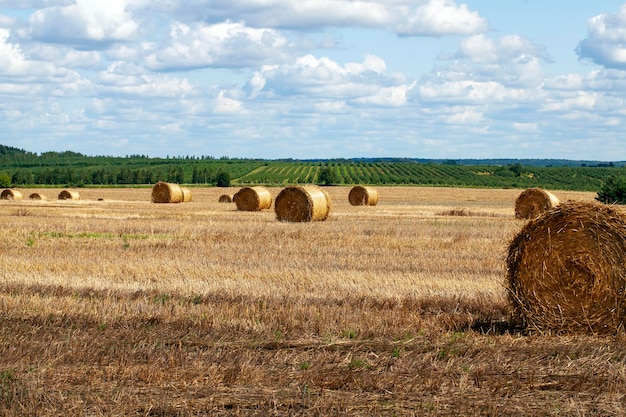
(253, 199)
(302, 204)
(37, 196)
(225, 198)
(69, 195)
(534, 201)
(186, 194)
(11, 194)
(567, 270)
(363, 196)
(165, 192)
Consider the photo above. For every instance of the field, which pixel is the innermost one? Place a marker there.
(114, 306)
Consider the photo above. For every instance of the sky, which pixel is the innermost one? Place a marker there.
(311, 79)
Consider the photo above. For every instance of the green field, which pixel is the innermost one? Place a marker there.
(24, 169)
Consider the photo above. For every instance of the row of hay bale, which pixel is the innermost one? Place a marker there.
(12, 194)
(259, 198)
(566, 268)
(295, 203)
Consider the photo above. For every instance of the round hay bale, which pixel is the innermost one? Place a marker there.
(10, 194)
(37, 196)
(363, 196)
(302, 204)
(253, 199)
(567, 270)
(225, 198)
(165, 192)
(534, 201)
(69, 195)
(186, 194)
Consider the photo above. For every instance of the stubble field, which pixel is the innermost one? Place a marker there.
(124, 307)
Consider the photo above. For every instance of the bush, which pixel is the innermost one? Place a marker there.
(613, 191)
(327, 176)
(5, 180)
(222, 179)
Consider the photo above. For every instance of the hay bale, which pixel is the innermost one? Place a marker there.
(302, 204)
(69, 195)
(363, 196)
(186, 194)
(567, 270)
(165, 192)
(225, 198)
(37, 196)
(10, 194)
(534, 201)
(253, 199)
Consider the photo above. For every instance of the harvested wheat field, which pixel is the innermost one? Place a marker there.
(124, 307)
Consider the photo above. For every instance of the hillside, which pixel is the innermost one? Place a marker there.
(22, 168)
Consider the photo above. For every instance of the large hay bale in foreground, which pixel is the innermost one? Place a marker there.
(363, 196)
(69, 195)
(37, 196)
(253, 199)
(567, 270)
(225, 198)
(10, 194)
(165, 192)
(302, 204)
(534, 201)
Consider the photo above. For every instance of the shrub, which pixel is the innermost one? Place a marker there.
(222, 179)
(327, 176)
(613, 190)
(5, 180)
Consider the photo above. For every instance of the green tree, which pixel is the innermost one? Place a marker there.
(5, 179)
(613, 190)
(327, 176)
(222, 179)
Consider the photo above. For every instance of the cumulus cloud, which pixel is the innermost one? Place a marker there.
(324, 78)
(438, 18)
(605, 43)
(126, 79)
(85, 23)
(404, 17)
(16, 66)
(225, 45)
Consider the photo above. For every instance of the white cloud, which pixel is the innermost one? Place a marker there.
(225, 105)
(605, 43)
(131, 80)
(404, 17)
(227, 44)
(325, 78)
(438, 18)
(86, 23)
(388, 96)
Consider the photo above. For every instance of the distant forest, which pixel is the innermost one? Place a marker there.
(19, 168)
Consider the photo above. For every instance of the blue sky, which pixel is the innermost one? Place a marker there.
(315, 78)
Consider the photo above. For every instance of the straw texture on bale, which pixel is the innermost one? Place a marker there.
(567, 270)
(225, 198)
(302, 204)
(186, 194)
(534, 201)
(253, 199)
(165, 192)
(10, 194)
(363, 196)
(37, 196)
(69, 195)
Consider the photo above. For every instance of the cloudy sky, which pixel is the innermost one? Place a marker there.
(315, 78)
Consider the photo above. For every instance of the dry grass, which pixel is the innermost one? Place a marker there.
(123, 307)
